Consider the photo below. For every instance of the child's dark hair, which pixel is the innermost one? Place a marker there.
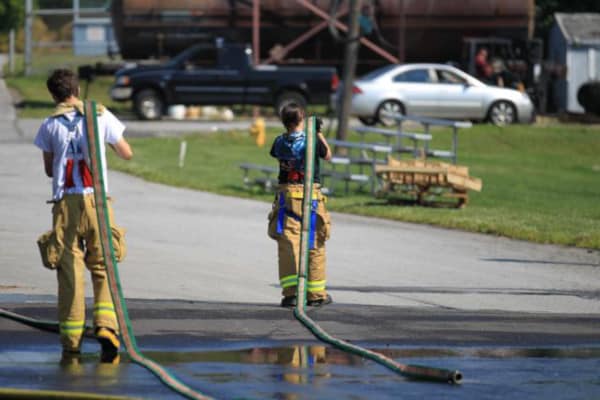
(291, 115)
(62, 84)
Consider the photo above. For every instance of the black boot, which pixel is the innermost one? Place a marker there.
(289, 301)
(320, 302)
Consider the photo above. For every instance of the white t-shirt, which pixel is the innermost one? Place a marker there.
(65, 136)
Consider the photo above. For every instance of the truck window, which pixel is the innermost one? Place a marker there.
(235, 58)
(201, 59)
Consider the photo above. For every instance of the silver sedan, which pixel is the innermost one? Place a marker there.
(435, 90)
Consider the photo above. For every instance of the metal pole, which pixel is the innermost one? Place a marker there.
(256, 30)
(350, 58)
(402, 35)
(454, 143)
(76, 8)
(256, 42)
(28, 38)
(376, 49)
(182, 151)
(11, 51)
(304, 37)
(69, 11)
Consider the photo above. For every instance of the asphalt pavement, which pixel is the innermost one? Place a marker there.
(202, 270)
(191, 245)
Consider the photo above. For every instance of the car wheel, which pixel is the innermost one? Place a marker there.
(392, 106)
(148, 104)
(286, 98)
(502, 113)
(368, 121)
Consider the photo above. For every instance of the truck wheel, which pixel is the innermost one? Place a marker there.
(286, 98)
(502, 113)
(148, 104)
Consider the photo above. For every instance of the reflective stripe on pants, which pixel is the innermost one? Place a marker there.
(75, 224)
(288, 245)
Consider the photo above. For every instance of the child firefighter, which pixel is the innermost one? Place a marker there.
(75, 238)
(285, 219)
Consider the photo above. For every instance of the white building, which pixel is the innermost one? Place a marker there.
(574, 42)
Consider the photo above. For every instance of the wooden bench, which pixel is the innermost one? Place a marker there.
(268, 181)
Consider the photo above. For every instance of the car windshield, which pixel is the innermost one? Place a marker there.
(377, 73)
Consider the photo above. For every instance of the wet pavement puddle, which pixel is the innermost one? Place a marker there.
(312, 371)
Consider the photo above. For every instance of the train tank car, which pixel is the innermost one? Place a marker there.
(411, 30)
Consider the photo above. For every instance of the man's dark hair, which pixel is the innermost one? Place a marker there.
(62, 84)
(291, 115)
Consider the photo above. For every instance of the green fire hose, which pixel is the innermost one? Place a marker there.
(29, 394)
(113, 279)
(411, 371)
(111, 263)
(46, 326)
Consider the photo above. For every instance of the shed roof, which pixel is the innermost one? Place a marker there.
(579, 28)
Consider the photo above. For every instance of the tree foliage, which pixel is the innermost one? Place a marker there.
(12, 14)
(545, 10)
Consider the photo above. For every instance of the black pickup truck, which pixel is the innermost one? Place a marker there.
(220, 75)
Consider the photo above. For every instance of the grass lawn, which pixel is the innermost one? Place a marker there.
(539, 183)
(36, 102)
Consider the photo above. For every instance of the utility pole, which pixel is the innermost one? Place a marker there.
(256, 31)
(402, 33)
(76, 8)
(256, 43)
(11, 51)
(350, 57)
(28, 38)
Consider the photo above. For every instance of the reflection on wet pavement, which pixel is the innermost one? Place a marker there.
(309, 371)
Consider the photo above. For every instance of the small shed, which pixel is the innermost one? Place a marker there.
(94, 37)
(574, 42)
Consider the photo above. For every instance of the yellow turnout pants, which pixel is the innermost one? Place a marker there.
(76, 226)
(288, 241)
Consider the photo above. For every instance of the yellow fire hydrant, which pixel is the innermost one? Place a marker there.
(258, 131)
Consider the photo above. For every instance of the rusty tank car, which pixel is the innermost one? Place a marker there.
(411, 30)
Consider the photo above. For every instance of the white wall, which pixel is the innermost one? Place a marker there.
(583, 65)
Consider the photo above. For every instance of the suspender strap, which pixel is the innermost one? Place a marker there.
(283, 212)
(313, 224)
(67, 123)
